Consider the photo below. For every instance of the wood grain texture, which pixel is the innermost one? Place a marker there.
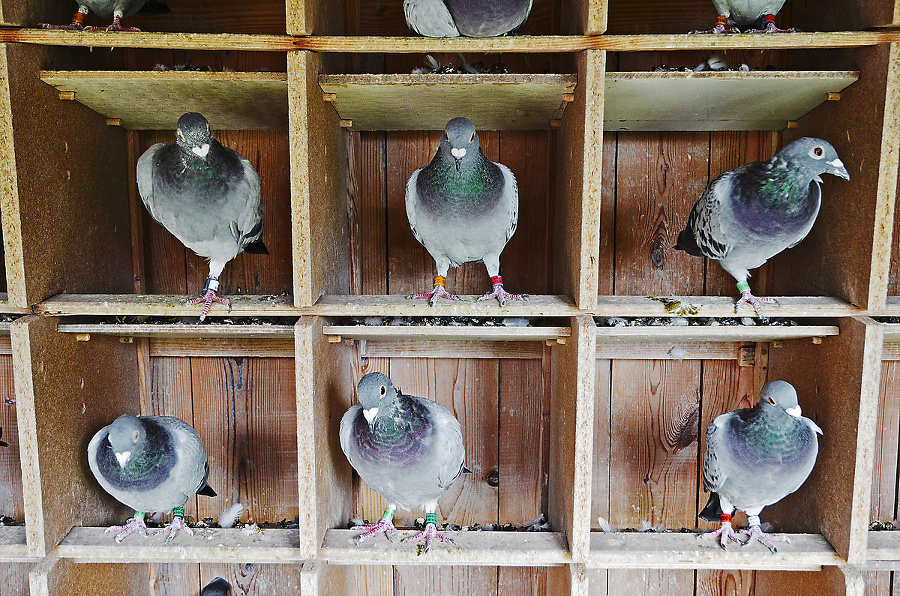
(887, 445)
(601, 490)
(650, 582)
(11, 500)
(15, 578)
(64, 576)
(719, 583)
(367, 198)
(421, 580)
(171, 579)
(265, 17)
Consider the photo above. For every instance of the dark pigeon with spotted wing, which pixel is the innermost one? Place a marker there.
(408, 449)
(472, 18)
(747, 215)
(150, 463)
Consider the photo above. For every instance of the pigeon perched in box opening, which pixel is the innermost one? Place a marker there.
(472, 18)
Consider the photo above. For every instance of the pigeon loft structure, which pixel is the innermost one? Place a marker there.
(596, 408)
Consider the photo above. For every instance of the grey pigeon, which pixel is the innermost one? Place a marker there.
(217, 587)
(472, 18)
(150, 463)
(463, 207)
(408, 449)
(755, 457)
(206, 195)
(749, 214)
(749, 16)
(111, 9)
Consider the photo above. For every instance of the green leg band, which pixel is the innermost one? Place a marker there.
(743, 287)
(430, 518)
(139, 514)
(178, 512)
(388, 514)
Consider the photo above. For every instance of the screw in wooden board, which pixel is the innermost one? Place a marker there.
(493, 478)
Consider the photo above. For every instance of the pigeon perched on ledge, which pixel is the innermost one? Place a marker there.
(217, 587)
(472, 18)
(111, 9)
(747, 215)
(748, 16)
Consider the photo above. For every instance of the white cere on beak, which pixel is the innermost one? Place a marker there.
(795, 412)
(123, 458)
(201, 151)
(458, 153)
(837, 163)
(370, 414)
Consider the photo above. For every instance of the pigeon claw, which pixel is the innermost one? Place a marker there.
(755, 534)
(384, 526)
(73, 26)
(754, 301)
(724, 534)
(718, 29)
(207, 299)
(174, 526)
(501, 295)
(429, 533)
(438, 292)
(132, 525)
(115, 27)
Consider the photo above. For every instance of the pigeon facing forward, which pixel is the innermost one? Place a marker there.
(472, 18)
(111, 9)
(463, 207)
(409, 449)
(150, 463)
(749, 214)
(755, 457)
(747, 16)
(206, 195)
(217, 587)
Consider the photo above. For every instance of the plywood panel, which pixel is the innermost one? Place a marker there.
(63, 576)
(528, 581)
(171, 579)
(887, 445)
(11, 499)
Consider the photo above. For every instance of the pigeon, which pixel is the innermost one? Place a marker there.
(471, 18)
(463, 207)
(755, 457)
(3, 443)
(206, 195)
(217, 587)
(747, 16)
(749, 214)
(150, 463)
(409, 449)
(114, 9)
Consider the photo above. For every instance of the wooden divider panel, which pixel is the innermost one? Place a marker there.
(54, 576)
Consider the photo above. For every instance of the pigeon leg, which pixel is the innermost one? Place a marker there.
(724, 533)
(175, 525)
(116, 25)
(755, 534)
(136, 523)
(77, 23)
(209, 296)
(385, 525)
(771, 27)
(720, 27)
(499, 293)
(439, 291)
(429, 533)
(752, 300)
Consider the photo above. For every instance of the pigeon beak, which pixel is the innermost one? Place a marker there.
(370, 414)
(123, 458)
(201, 151)
(839, 169)
(795, 412)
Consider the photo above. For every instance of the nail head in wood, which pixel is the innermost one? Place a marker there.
(556, 123)
(747, 356)
(346, 123)
(817, 340)
(834, 96)
(568, 97)
(777, 344)
(82, 337)
(113, 122)
(334, 339)
(67, 95)
(792, 124)
(329, 96)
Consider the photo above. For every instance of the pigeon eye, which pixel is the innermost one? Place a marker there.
(383, 390)
(817, 152)
(135, 436)
(771, 401)
(472, 138)
(180, 135)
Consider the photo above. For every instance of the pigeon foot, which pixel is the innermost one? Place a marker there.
(115, 27)
(429, 533)
(173, 527)
(499, 293)
(136, 523)
(209, 296)
(721, 27)
(73, 26)
(724, 534)
(384, 526)
(439, 291)
(771, 27)
(754, 301)
(755, 534)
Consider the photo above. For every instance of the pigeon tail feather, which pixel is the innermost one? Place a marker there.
(207, 491)
(713, 510)
(255, 248)
(688, 243)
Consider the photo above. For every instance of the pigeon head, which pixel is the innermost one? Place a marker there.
(376, 394)
(781, 395)
(814, 156)
(193, 134)
(460, 140)
(126, 435)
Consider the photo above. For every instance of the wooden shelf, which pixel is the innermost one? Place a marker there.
(468, 306)
(163, 305)
(470, 548)
(723, 306)
(12, 544)
(737, 333)
(428, 101)
(229, 100)
(686, 551)
(733, 100)
(884, 550)
(447, 333)
(211, 330)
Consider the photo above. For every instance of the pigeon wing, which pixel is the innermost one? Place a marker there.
(145, 174)
(429, 18)
(248, 227)
(713, 474)
(511, 195)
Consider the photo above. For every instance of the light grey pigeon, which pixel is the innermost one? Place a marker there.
(747, 16)
(472, 18)
(747, 215)
(111, 9)
(755, 457)
(408, 449)
(150, 463)
(463, 207)
(217, 587)
(206, 195)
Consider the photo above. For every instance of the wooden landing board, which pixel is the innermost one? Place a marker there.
(687, 551)
(428, 101)
(469, 548)
(402, 348)
(741, 333)
(163, 305)
(891, 333)
(447, 333)
(211, 331)
(12, 543)
(884, 550)
(94, 545)
(767, 100)
(723, 306)
(229, 100)
(467, 306)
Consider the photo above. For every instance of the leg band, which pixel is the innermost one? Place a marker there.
(439, 280)
(725, 518)
(78, 17)
(430, 518)
(212, 283)
(721, 20)
(753, 520)
(178, 512)
(388, 514)
(496, 280)
(743, 286)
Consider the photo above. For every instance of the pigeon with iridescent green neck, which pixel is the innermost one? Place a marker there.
(754, 458)
(747, 215)
(408, 449)
(472, 18)
(150, 463)
(463, 207)
(747, 16)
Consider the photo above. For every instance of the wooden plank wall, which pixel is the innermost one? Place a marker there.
(178, 579)
(11, 500)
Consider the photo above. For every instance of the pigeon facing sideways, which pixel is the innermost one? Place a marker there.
(206, 195)
(747, 215)
(150, 463)
(747, 16)
(111, 9)
(409, 449)
(755, 457)
(217, 587)
(463, 207)
(472, 18)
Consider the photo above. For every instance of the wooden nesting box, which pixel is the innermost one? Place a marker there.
(570, 416)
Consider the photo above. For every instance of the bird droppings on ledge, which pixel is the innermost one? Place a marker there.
(454, 321)
(193, 321)
(681, 321)
(9, 521)
(539, 524)
(888, 526)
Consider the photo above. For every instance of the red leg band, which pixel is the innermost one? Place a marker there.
(721, 20)
(496, 280)
(725, 518)
(770, 18)
(78, 17)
